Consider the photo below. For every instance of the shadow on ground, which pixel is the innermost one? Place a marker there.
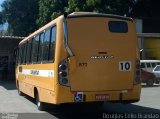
(71, 111)
(109, 109)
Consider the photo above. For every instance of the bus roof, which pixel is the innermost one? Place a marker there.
(74, 15)
(94, 14)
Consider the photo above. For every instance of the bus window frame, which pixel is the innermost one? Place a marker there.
(46, 61)
(35, 62)
(28, 40)
(49, 61)
(22, 48)
(40, 44)
(52, 60)
(30, 54)
(25, 52)
(22, 53)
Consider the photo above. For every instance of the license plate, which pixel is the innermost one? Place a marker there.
(102, 97)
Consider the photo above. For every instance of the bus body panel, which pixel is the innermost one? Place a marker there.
(86, 74)
(39, 77)
(90, 37)
(90, 96)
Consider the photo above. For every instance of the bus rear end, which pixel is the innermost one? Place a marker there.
(103, 62)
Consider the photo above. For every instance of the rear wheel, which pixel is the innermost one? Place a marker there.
(40, 105)
(150, 82)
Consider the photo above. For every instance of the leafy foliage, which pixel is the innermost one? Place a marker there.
(103, 6)
(50, 9)
(131, 8)
(25, 16)
(21, 16)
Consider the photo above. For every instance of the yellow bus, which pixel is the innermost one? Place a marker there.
(80, 58)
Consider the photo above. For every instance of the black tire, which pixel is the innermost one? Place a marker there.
(40, 105)
(150, 82)
(19, 92)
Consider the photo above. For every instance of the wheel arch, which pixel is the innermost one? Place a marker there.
(35, 92)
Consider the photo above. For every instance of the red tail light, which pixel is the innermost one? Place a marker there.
(137, 72)
(63, 73)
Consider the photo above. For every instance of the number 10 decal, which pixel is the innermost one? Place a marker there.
(125, 66)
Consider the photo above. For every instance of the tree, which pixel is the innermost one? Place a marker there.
(24, 16)
(21, 16)
(50, 9)
(119, 7)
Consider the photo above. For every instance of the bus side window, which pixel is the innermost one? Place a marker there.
(35, 49)
(40, 51)
(28, 51)
(148, 65)
(22, 54)
(46, 45)
(25, 52)
(52, 43)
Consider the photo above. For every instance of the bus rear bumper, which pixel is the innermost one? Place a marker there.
(124, 96)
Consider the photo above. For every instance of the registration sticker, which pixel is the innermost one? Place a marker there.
(102, 97)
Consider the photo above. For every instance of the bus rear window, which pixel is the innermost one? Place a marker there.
(118, 26)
